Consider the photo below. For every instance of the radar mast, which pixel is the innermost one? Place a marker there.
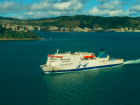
(57, 50)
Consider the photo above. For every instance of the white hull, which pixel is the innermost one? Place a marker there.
(82, 65)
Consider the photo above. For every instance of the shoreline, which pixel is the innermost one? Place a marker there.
(21, 39)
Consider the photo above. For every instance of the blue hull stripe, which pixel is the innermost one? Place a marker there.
(80, 69)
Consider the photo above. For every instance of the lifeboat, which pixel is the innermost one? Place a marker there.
(54, 56)
(91, 56)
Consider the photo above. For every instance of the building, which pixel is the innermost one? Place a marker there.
(67, 29)
(17, 28)
(27, 28)
(22, 28)
(53, 28)
(8, 26)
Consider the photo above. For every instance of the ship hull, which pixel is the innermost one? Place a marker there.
(59, 69)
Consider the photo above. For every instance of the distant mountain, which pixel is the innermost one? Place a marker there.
(8, 18)
(83, 21)
(93, 21)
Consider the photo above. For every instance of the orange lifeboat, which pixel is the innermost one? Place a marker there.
(54, 56)
(91, 56)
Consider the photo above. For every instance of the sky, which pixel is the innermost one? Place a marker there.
(37, 9)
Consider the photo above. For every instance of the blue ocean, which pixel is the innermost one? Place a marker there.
(22, 81)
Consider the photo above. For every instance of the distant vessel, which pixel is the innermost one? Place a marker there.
(50, 38)
(66, 62)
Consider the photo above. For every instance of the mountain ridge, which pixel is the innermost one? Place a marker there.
(84, 21)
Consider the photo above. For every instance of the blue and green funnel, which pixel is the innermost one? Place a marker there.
(102, 53)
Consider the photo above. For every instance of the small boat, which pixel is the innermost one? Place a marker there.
(67, 62)
(50, 38)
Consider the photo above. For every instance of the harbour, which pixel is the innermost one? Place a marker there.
(23, 81)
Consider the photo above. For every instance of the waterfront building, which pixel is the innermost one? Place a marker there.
(17, 27)
(22, 28)
(8, 26)
(53, 28)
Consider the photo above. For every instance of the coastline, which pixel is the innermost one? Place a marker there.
(21, 39)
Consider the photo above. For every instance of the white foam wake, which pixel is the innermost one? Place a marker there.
(132, 61)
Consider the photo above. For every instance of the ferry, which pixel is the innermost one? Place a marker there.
(68, 62)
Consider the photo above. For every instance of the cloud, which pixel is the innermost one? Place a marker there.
(129, 12)
(53, 8)
(40, 14)
(110, 8)
(43, 9)
(64, 6)
(102, 0)
(135, 8)
(112, 5)
(106, 12)
(98, 12)
(42, 6)
(73, 0)
(8, 7)
(6, 0)
(137, 2)
(73, 5)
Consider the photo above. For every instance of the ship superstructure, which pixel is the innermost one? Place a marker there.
(66, 62)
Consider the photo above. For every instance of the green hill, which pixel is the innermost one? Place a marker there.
(8, 18)
(91, 21)
(7, 34)
(80, 21)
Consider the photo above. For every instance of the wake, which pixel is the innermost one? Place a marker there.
(137, 61)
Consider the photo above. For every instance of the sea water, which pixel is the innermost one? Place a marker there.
(22, 81)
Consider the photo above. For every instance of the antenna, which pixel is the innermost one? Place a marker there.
(57, 50)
